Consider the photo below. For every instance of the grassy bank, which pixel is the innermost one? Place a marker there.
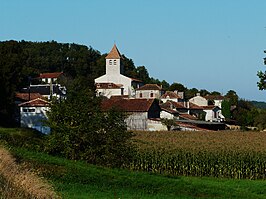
(76, 179)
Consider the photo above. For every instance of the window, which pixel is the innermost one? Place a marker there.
(30, 110)
(140, 95)
(114, 62)
(110, 62)
(151, 95)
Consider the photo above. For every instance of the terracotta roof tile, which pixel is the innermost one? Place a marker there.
(150, 87)
(214, 97)
(25, 96)
(108, 86)
(114, 53)
(50, 75)
(170, 94)
(194, 106)
(128, 105)
(36, 102)
(210, 107)
(187, 116)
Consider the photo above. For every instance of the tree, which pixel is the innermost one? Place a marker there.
(81, 130)
(11, 62)
(177, 87)
(226, 109)
(169, 123)
(262, 77)
(215, 93)
(233, 97)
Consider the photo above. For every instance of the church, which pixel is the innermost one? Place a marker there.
(114, 83)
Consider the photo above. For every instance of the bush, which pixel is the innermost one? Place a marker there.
(81, 131)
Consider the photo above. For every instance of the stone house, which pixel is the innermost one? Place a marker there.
(149, 91)
(138, 111)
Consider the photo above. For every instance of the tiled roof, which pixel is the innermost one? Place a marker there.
(170, 94)
(214, 97)
(171, 105)
(128, 105)
(108, 86)
(210, 107)
(25, 96)
(114, 53)
(194, 106)
(150, 87)
(36, 102)
(135, 80)
(169, 110)
(187, 116)
(50, 75)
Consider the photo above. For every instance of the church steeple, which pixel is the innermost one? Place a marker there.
(114, 53)
(113, 63)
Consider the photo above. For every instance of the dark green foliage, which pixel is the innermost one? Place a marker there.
(169, 123)
(233, 97)
(11, 62)
(177, 87)
(257, 104)
(80, 130)
(22, 137)
(226, 109)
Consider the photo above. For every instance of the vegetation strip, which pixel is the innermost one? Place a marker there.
(21, 183)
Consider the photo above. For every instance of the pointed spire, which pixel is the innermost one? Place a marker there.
(114, 53)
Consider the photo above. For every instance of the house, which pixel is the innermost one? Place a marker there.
(173, 96)
(138, 111)
(149, 91)
(33, 113)
(114, 77)
(216, 99)
(47, 90)
(211, 105)
(199, 100)
(213, 113)
(50, 77)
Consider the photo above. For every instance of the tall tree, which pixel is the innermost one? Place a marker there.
(11, 62)
(177, 87)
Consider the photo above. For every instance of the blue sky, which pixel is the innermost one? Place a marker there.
(207, 44)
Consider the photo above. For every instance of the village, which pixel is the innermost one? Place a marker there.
(146, 105)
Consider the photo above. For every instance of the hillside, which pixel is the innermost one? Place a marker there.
(258, 104)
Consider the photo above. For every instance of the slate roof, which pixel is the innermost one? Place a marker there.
(50, 75)
(150, 87)
(128, 105)
(36, 103)
(108, 86)
(114, 53)
(170, 94)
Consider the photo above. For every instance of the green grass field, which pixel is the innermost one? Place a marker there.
(76, 179)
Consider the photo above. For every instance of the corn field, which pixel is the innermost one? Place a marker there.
(240, 155)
